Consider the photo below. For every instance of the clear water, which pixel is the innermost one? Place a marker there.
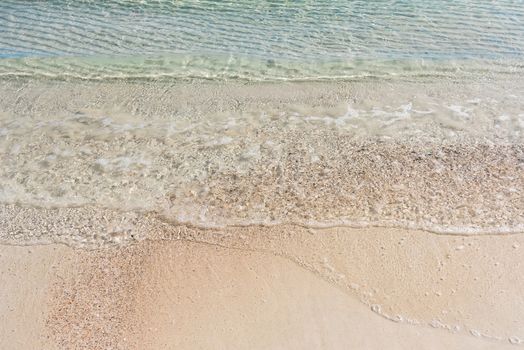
(440, 148)
(259, 39)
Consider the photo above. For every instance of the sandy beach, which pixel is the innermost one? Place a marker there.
(392, 221)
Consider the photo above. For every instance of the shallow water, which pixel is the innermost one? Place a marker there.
(412, 115)
(400, 154)
(259, 40)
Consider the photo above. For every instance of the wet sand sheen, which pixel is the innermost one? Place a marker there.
(280, 287)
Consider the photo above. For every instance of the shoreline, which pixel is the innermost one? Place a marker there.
(261, 175)
(443, 153)
(442, 156)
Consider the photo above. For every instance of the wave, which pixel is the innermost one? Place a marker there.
(439, 156)
(245, 68)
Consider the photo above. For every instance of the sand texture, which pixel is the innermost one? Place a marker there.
(257, 288)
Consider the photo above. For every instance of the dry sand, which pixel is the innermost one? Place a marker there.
(267, 288)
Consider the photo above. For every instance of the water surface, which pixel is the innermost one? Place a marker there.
(259, 39)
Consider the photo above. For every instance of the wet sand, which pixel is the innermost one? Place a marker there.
(281, 288)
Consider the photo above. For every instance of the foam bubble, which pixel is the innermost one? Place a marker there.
(270, 164)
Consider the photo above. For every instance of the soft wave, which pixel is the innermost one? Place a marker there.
(246, 68)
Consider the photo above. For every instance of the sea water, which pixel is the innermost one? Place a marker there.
(316, 113)
(261, 40)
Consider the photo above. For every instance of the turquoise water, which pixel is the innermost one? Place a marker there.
(258, 39)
